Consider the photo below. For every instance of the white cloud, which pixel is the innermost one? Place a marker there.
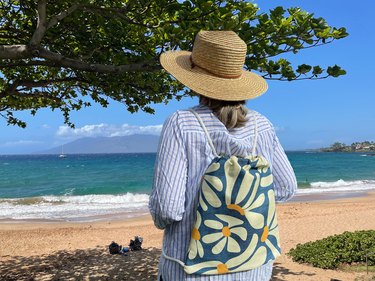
(20, 143)
(106, 130)
(46, 126)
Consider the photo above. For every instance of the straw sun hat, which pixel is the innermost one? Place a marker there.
(215, 67)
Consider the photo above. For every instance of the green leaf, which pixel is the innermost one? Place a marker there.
(303, 68)
(335, 71)
(317, 70)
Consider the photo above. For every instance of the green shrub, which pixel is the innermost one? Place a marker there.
(348, 247)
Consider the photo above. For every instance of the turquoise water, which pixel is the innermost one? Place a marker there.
(37, 175)
(330, 167)
(87, 186)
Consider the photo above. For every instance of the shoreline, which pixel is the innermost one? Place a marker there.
(129, 215)
(330, 195)
(45, 250)
(140, 216)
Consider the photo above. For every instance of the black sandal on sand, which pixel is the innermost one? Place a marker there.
(136, 244)
(114, 248)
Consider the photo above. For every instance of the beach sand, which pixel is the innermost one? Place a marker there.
(79, 251)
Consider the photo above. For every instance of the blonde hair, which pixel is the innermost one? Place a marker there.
(233, 114)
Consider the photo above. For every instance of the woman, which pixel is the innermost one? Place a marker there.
(214, 71)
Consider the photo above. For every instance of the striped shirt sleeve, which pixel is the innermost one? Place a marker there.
(284, 179)
(167, 198)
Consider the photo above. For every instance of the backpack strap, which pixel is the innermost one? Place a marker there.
(210, 140)
(172, 259)
(206, 132)
(255, 134)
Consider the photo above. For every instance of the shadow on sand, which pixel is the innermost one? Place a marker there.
(280, 273)
(88, 264)
(98, 264)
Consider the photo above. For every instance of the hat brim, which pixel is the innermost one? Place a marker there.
(248, 86)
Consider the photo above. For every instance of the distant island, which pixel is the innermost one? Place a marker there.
(123, 144)
(365, 146)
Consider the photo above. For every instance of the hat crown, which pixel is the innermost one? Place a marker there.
(221, 53)
(214, 68)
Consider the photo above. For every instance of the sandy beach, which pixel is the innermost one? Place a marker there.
(35, 250)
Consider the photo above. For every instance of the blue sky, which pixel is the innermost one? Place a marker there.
(307, 114)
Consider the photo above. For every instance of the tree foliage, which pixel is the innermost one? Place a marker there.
(354, 147)
(64, 54)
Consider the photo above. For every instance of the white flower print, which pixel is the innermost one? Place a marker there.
(244, 207)
(195, 246)
(208, 194)
(224, 234)
(271, 228)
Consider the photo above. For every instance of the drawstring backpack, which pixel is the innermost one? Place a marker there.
(236, 226)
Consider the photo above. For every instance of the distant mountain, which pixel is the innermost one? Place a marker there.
(126, 144)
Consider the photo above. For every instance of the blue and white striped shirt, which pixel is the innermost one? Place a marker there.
(183, 156)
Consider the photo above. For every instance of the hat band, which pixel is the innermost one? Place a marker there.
(193, 64)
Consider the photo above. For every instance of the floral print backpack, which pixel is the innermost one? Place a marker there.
(236, 226)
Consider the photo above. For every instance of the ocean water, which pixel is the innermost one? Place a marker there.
(95, 186)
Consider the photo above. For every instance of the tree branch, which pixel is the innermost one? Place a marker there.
(3, 108)
(120, 12)
(191, 19)
(39, 94)
(89, 55)
(117, 11)
(57, 60)
(27, 64)
(101, 68)
(12, 90)
(291, 49)
(41, 27)
(295, 79)
(43, 83)
(62, 15)
(14, 52)
(105, 9)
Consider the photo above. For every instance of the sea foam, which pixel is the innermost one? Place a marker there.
(340, 185)
(97, 207)
(73, 207)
